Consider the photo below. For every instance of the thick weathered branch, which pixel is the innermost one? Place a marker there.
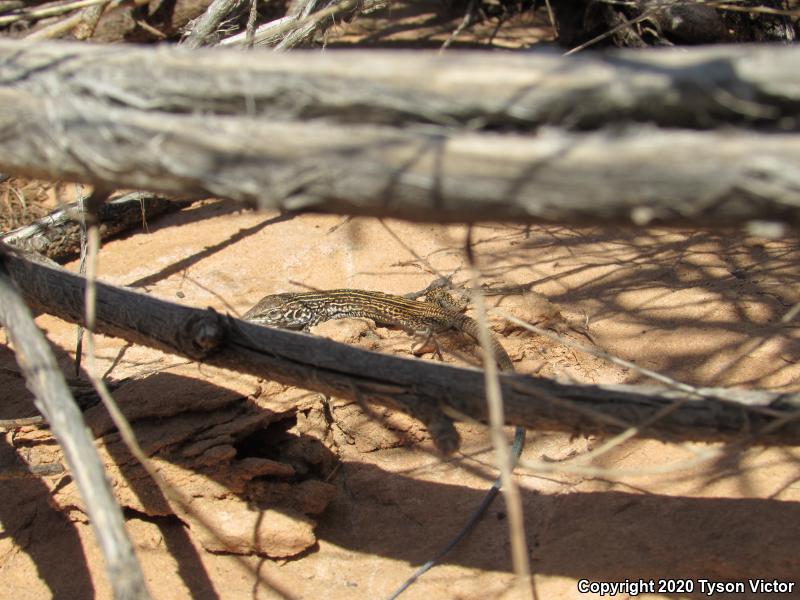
(473, 145)
(55, 402)
(419, 387)
(694, 88)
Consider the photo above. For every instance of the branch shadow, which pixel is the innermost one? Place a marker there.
(603, 536)
(45, 534)
(187, 262)
(595, 535)
(728, 293)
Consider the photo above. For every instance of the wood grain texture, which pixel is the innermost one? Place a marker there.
(702, 137)
(421, 388)
(57, 235)
(54, 400)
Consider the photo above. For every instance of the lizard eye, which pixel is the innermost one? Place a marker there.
(274, 315)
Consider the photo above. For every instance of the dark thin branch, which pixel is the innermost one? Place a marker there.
(420, 388)
(25, 471)
(57, 235)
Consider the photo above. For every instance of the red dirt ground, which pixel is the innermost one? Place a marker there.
(704, 308)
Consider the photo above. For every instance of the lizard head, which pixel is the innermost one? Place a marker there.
(280, 310)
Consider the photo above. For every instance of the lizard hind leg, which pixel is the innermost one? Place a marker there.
(440, 296)
(428, 344)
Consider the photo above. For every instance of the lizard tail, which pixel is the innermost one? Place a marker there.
(470, 327)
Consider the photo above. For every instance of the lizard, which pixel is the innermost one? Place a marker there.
(438, 313)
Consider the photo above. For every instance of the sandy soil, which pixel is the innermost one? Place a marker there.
(703, 308)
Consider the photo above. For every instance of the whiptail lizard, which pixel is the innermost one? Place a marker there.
(303, 310)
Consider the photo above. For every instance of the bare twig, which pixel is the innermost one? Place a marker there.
(8, 424)
(691, 390)
(251, 23)
(205, 28)
(756, 10)
(293, 28)
(494, 399)
(54, 400)
(586, 470)
(90, 17)
(469, 15)
(81, 209)
(40, 13)
(579, 464)
(299, 10)
(57, 234)
(57, 29)
(607, 34)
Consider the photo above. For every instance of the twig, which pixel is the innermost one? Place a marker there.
(119, 419)
(764, 10)
(49, 11)
(156, 33)
(494, 398)
(8, 424)
(205, 27)
(251, 23)
(465, 22)
(57, 236)
(57, 29)
(654, 375)
(299, 10)
(599, 38)
(90, 17)
(580, 461)
(82, 270)
(276, 31)
(551, 17)
(54, 400)
(541, 466)
(654, 7)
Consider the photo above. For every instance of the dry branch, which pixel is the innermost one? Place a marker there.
(418, 387)
(55, 402)
(50, 11)
(205, 29)
(697, 88)
(473, 145)
(300, 22)
(57, 235)
(89, 18)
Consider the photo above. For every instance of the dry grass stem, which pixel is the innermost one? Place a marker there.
(494, 398)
